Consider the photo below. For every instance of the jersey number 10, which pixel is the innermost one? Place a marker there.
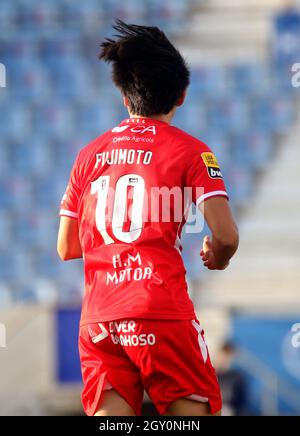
(102, 188)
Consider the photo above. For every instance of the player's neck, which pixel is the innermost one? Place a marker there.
(164, 118)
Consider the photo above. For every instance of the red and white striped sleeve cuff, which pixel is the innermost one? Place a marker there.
(210, 195)
(68, 213)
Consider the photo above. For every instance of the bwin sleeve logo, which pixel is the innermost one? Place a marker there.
(2, 76)
(2, 336)
(212, 165)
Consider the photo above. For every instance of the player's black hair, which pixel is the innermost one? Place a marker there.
(147, 68)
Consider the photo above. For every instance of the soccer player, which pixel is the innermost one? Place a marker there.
(139, 330)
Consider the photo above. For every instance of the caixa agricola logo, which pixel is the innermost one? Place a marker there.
(2, 76)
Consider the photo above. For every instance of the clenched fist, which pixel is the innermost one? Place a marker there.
(208, 257)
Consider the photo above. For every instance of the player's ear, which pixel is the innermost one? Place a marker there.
(182, 98)
(126, 101)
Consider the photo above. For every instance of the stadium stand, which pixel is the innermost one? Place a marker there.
(249, 123)
(53, 107)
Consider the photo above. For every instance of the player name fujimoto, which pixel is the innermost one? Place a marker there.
(124, 157)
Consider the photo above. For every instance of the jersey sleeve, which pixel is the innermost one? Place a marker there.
(204, 176)
(69, 203)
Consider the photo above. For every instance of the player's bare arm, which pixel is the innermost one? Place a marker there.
(68, 244)
(218, 250)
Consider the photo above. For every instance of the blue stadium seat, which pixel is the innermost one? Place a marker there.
(19, 47)
(47, 193)
(15, 121)
(219, 143)
(6, 229)
(6, 295)
(29, 81)
(5, 159)
(47, 264)
(167, 14)
(42, 16)
(8, 16)
(29, 229)
(65, 152)
(25, 293)
(192, 116)
(60, 48)
(42, 159)
(7, 266)
(240, 185)
(252, 149)
(23, 264)
(7, 197)
(69, 81)
(95, 118)
(131, 10)
(250, 79)
(25, 229)
(208, 81)
(228, 114)
(87, 15)
(54, 119)
(273, 113)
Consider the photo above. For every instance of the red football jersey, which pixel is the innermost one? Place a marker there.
(130, 190)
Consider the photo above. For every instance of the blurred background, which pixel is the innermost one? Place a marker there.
(242, 102)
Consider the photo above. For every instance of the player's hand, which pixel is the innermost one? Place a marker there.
(208, 256)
